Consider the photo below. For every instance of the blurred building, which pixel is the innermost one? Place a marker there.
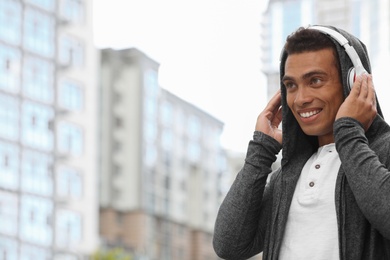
(369, 20)
(282, 17)
(235, 162)
(48, 204)
(161, 164)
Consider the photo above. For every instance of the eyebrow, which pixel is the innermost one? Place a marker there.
(306, 75)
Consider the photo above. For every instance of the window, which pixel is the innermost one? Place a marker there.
(181, 123)
(37, 173)
(291, 10)
(151, 94)
(115, 193)
(150, 114)
(194, 151)
(48, 5)
(32, 252)
(71, 52)
(9, 117)
(120, 218)
(68, 228)
(36, 221)
(66, 257)
(9, 68)
(194, 146)
(150, 108)
(116, 169)
(116, 98)
(167, 138)
(10, 21)
(150, 156)
(167, 160)
(117, 146)
(8, 248)
(167, 182)
(69, 183)
(194, 127)
(70, 139)
(167, 114)
(36, 130)
(165, 206)
(8, 213)
(71, 95)
(38, 79)
(150, 202)
(151, 83)
(72, 10)
(183, 185)
(39, 32)
(118, 122)
(150, 131)
(9, 161)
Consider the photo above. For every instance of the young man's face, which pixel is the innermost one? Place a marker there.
(314, 92)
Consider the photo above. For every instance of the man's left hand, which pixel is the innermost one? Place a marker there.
(361, 102)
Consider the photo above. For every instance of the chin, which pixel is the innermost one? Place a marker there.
(321, 133)
(311, 131)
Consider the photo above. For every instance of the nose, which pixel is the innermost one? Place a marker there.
(302, 97)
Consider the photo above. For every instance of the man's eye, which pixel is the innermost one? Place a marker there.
(289, 85)
(316, 80)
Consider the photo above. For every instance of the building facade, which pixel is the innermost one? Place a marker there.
(282, 17)
(48, 205)
(161, 164)
(369, 20)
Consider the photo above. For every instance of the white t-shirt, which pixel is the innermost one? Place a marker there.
(311, 229)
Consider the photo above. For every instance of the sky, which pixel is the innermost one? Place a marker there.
(208, 51)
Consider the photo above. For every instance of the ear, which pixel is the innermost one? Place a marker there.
(351, 77)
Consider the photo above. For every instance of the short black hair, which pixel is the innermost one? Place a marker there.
(308, 40)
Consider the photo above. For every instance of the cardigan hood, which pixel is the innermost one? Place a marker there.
(295, 141)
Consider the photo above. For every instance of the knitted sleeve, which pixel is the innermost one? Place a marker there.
(365, 168)
(240, 224)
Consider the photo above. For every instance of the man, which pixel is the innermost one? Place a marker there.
(330, 199)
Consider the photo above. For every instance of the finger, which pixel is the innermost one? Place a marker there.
(364, 87)
(278, 112)
(278, 117)
(355, 91)
(274, 103)
(371, 90)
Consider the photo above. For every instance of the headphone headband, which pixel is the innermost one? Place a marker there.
(332, 33)
(351, 52)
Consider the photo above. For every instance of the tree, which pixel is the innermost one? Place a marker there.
(111, 254)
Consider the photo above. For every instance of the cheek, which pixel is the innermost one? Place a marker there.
(290, 101)
(337, 103)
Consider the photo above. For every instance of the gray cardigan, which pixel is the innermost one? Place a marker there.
(253, 215)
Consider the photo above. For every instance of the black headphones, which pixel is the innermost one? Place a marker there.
(358, 68)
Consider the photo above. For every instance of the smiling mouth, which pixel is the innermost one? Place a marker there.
(309, 114)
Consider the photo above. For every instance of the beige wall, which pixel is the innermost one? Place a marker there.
(149, 235)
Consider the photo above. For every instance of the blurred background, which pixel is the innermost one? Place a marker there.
(123, 123)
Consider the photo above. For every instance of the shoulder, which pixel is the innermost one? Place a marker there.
(379, 140)
(379, 133)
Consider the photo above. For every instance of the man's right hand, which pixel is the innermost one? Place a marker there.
(269, 120)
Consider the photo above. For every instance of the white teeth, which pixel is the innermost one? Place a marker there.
(309, 114)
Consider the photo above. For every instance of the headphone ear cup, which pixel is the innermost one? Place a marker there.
(351, 77)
